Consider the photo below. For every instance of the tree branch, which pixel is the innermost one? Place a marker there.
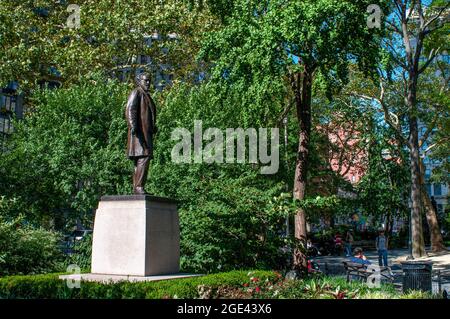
(394, 27)
(387, 115)
(429, 148)
(432, 55)
(393, 55)
(285, 112)
(437, 16)
(429, 130)
(421, 16)
(411, 10)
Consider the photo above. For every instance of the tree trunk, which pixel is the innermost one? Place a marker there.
(388, 226)
(436, 240)
(418, 244)
(437, 243)
(303, 105)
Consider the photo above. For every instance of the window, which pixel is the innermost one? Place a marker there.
(148, 41)
(5, 125)
(428, 186)
(437, 189)
(8, 108)
(145, 59)
(8, 104)
(427, 174)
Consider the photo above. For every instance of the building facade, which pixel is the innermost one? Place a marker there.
(11, 107)
(437, 191)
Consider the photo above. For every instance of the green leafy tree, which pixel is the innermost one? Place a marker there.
(226, 216)
(68, 152)
(25, 249)
(81, 254)
(71, 150)
(274, 51)
(401, 87)
(40, 41)
(383, 190)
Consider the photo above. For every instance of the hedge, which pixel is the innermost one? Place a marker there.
(51, 287)
(234, 284)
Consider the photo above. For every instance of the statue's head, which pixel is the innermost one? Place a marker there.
(143, 80)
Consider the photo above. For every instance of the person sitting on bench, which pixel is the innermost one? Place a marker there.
(359, 257)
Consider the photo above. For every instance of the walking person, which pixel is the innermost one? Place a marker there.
(348, 243)
(381, 244)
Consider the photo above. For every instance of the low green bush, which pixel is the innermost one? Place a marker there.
(82, 253)
(234, 284)
(25, 249)
(51, 287)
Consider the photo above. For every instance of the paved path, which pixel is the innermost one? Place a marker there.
(333, 264)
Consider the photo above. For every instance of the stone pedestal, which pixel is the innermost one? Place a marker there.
(136, 235)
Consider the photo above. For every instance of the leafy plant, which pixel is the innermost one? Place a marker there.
(82, 253)
(27, 250)
(72, 144)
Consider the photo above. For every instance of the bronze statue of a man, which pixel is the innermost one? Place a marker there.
(141, 118)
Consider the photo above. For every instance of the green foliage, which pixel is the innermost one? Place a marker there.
(235, 284)
(50, 287)
(225, 215)
(231, 228)
(25, 249)
(435, 93)
(262, 43)
(38, 45)
(268, 50)
(383, 190)
(322, 287)
(73, 147)
(82, 253)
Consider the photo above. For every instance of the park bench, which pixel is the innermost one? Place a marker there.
(364, 244)
(362, 272)
(442, 277)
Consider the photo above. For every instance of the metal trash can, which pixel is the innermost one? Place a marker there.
(417, 275)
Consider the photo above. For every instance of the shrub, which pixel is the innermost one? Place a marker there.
(82, 253)
(27, 250)
(50, 286)
(74, 143)
(73, 147)
(225, 216)
(235, 284)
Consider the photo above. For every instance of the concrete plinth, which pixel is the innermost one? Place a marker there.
(136, 235)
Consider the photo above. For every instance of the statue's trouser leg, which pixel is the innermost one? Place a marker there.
(140, 171)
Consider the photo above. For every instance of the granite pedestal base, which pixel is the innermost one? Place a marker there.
(136, 235)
